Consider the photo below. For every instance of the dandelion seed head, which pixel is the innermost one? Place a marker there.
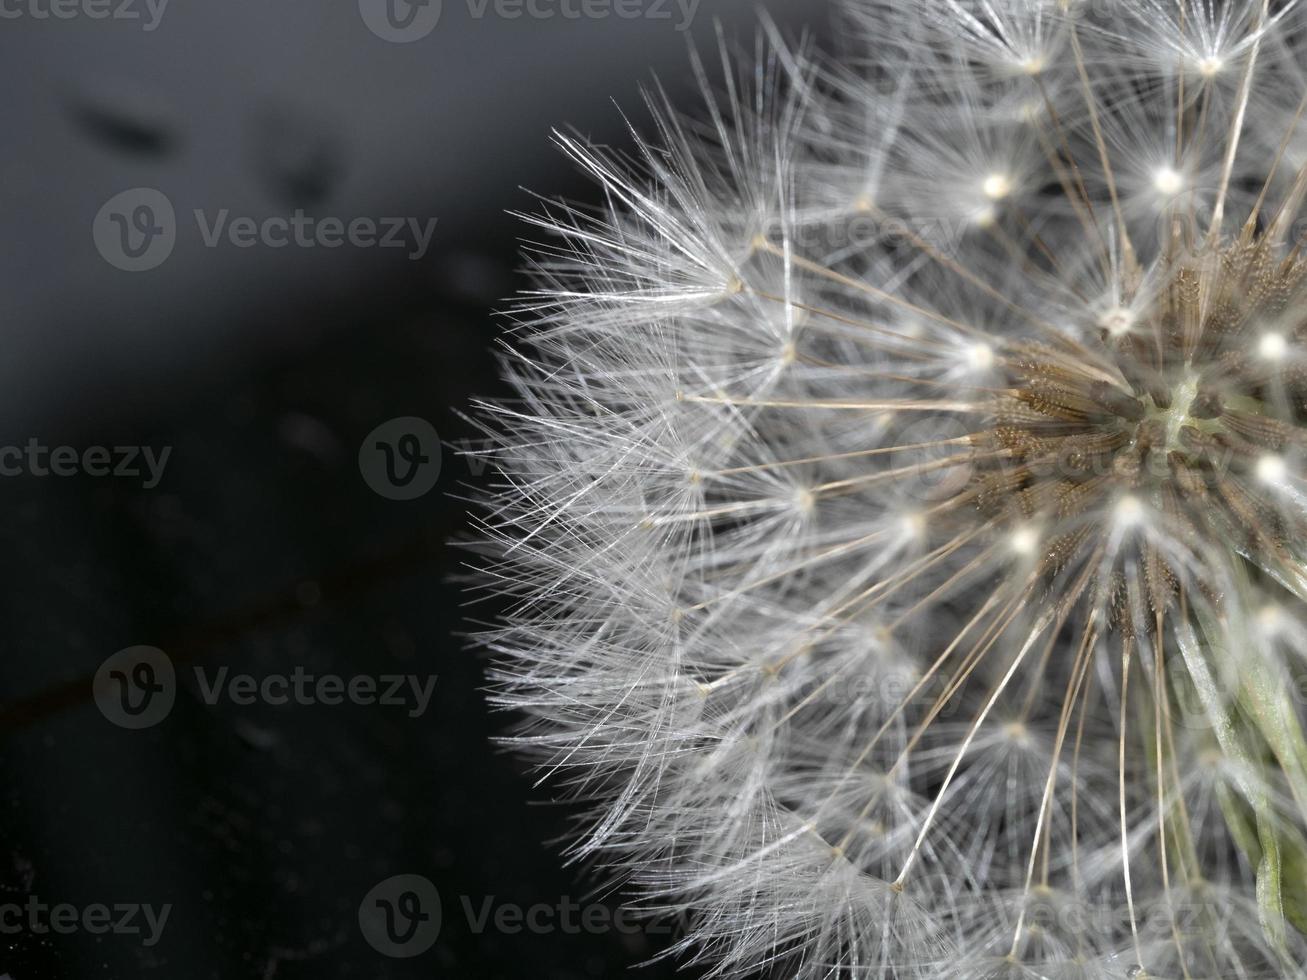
(923, 574)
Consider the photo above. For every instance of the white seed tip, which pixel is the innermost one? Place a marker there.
(996, 187)
(980, 357)
(1017, 732)
(1210, 67)
(1117, 322)
(1129, 511)
(1024, 541)
(1167, 181)
(1270, 618)
(1272, 346)
(1271, 469)
(913, 525)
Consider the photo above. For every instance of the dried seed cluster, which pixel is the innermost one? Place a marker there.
(1192, 421)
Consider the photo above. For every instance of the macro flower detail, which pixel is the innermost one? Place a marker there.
(902, 506)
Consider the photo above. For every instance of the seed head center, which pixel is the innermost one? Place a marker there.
(1176, 416)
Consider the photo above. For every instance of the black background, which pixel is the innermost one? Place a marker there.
(262, 548)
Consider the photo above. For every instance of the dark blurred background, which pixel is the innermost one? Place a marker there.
(267, 540)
